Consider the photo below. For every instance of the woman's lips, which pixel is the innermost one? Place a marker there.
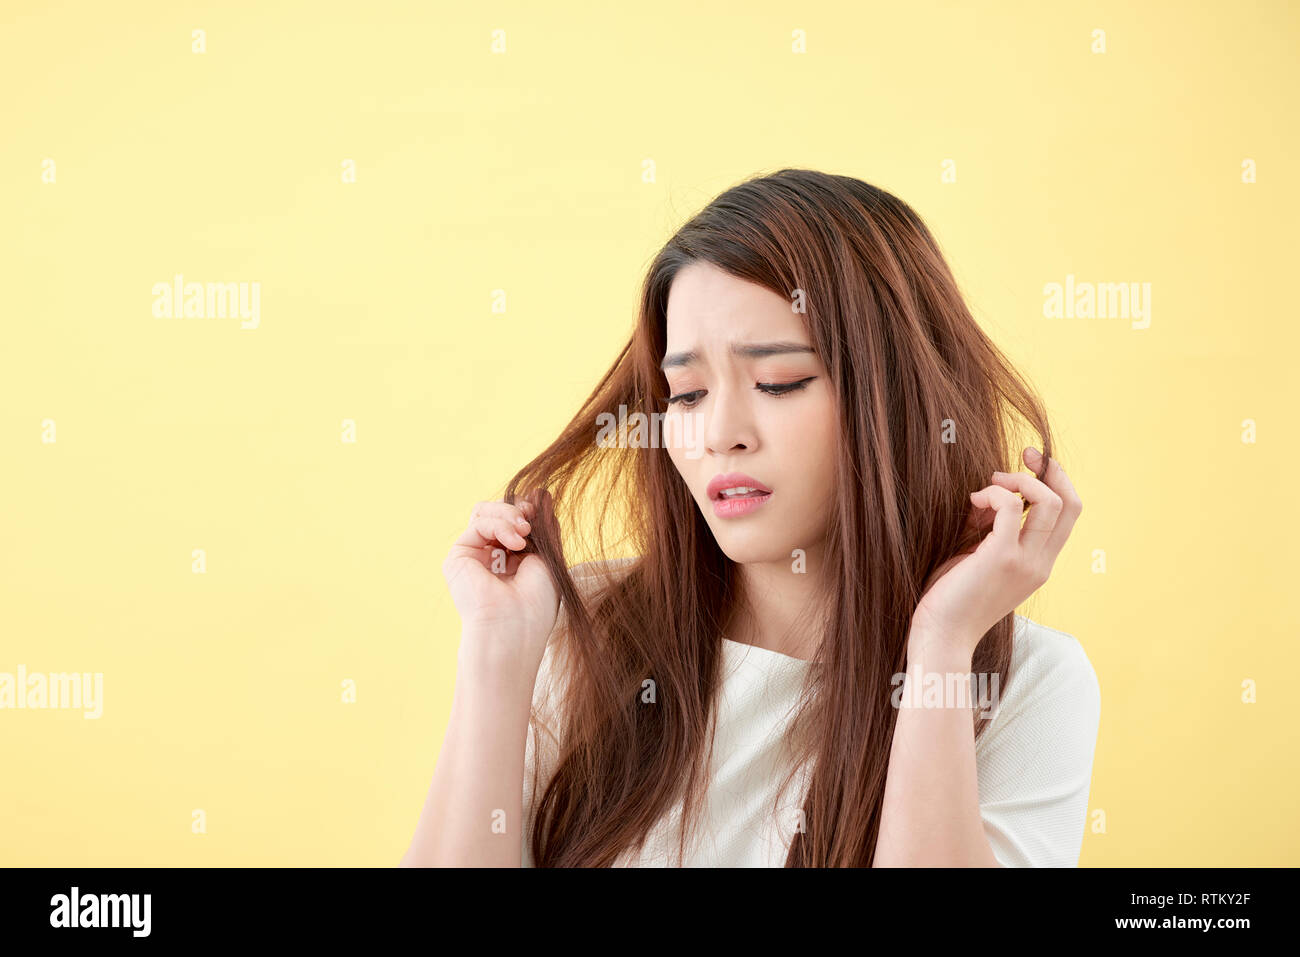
(720, 483)
(740, 504)
(736, 505)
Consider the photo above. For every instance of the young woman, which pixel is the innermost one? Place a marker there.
(811, 656)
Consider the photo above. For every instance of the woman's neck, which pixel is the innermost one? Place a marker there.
(775, 609)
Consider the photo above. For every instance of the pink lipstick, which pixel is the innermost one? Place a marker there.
(735, 494)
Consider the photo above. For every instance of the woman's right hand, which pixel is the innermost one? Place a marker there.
(507, 602)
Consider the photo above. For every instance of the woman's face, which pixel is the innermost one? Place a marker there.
(783, 442)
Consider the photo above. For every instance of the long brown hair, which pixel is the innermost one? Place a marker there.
(924, 399)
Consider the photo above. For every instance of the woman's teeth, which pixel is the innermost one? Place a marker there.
(738, 491)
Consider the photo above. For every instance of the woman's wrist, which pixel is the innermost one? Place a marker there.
(489, 666)
(938, 650)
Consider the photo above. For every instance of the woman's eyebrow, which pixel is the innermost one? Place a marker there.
(745, 350)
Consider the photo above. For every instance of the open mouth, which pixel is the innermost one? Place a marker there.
(731, 486)
(740, 503)
(735, 494)
(727, 495)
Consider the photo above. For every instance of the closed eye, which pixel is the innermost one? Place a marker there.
(775, 389)
(783, 388)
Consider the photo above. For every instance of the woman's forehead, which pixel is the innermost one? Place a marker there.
(708, 307)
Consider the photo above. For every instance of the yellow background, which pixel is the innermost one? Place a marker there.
(522, 171)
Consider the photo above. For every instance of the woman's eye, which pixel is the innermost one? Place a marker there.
(688, 400)
(685, 400)
(785, 388)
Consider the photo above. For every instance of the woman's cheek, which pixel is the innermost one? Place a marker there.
(820, 450)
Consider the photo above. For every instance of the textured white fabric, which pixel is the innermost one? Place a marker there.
(1034, 761)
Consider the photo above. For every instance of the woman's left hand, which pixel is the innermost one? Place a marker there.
(973, 591)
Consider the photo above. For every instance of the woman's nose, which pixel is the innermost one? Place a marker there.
(730, 426)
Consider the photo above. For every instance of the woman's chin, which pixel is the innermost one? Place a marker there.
(753, 549)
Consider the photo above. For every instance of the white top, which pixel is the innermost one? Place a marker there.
(1034, 760)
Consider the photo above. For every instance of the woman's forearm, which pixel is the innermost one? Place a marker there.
(473, 815)
(930, 816)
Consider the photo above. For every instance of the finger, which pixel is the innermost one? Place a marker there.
(980, 519)
(507, 509)
(1045, 508)
(488, 556)
(531, 571)
(511, 512)
(1006, 518)
(509, 530)
(502, 561)
(488, 529)
(1058, 482)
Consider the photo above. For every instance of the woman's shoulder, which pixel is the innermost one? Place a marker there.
(552, 677)
(1042, 653)
(588, 577)
(1052, 688)
(599, 569)
(1035, 758)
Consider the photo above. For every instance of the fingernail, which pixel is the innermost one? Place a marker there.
(1034, 453)
(521, 522)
